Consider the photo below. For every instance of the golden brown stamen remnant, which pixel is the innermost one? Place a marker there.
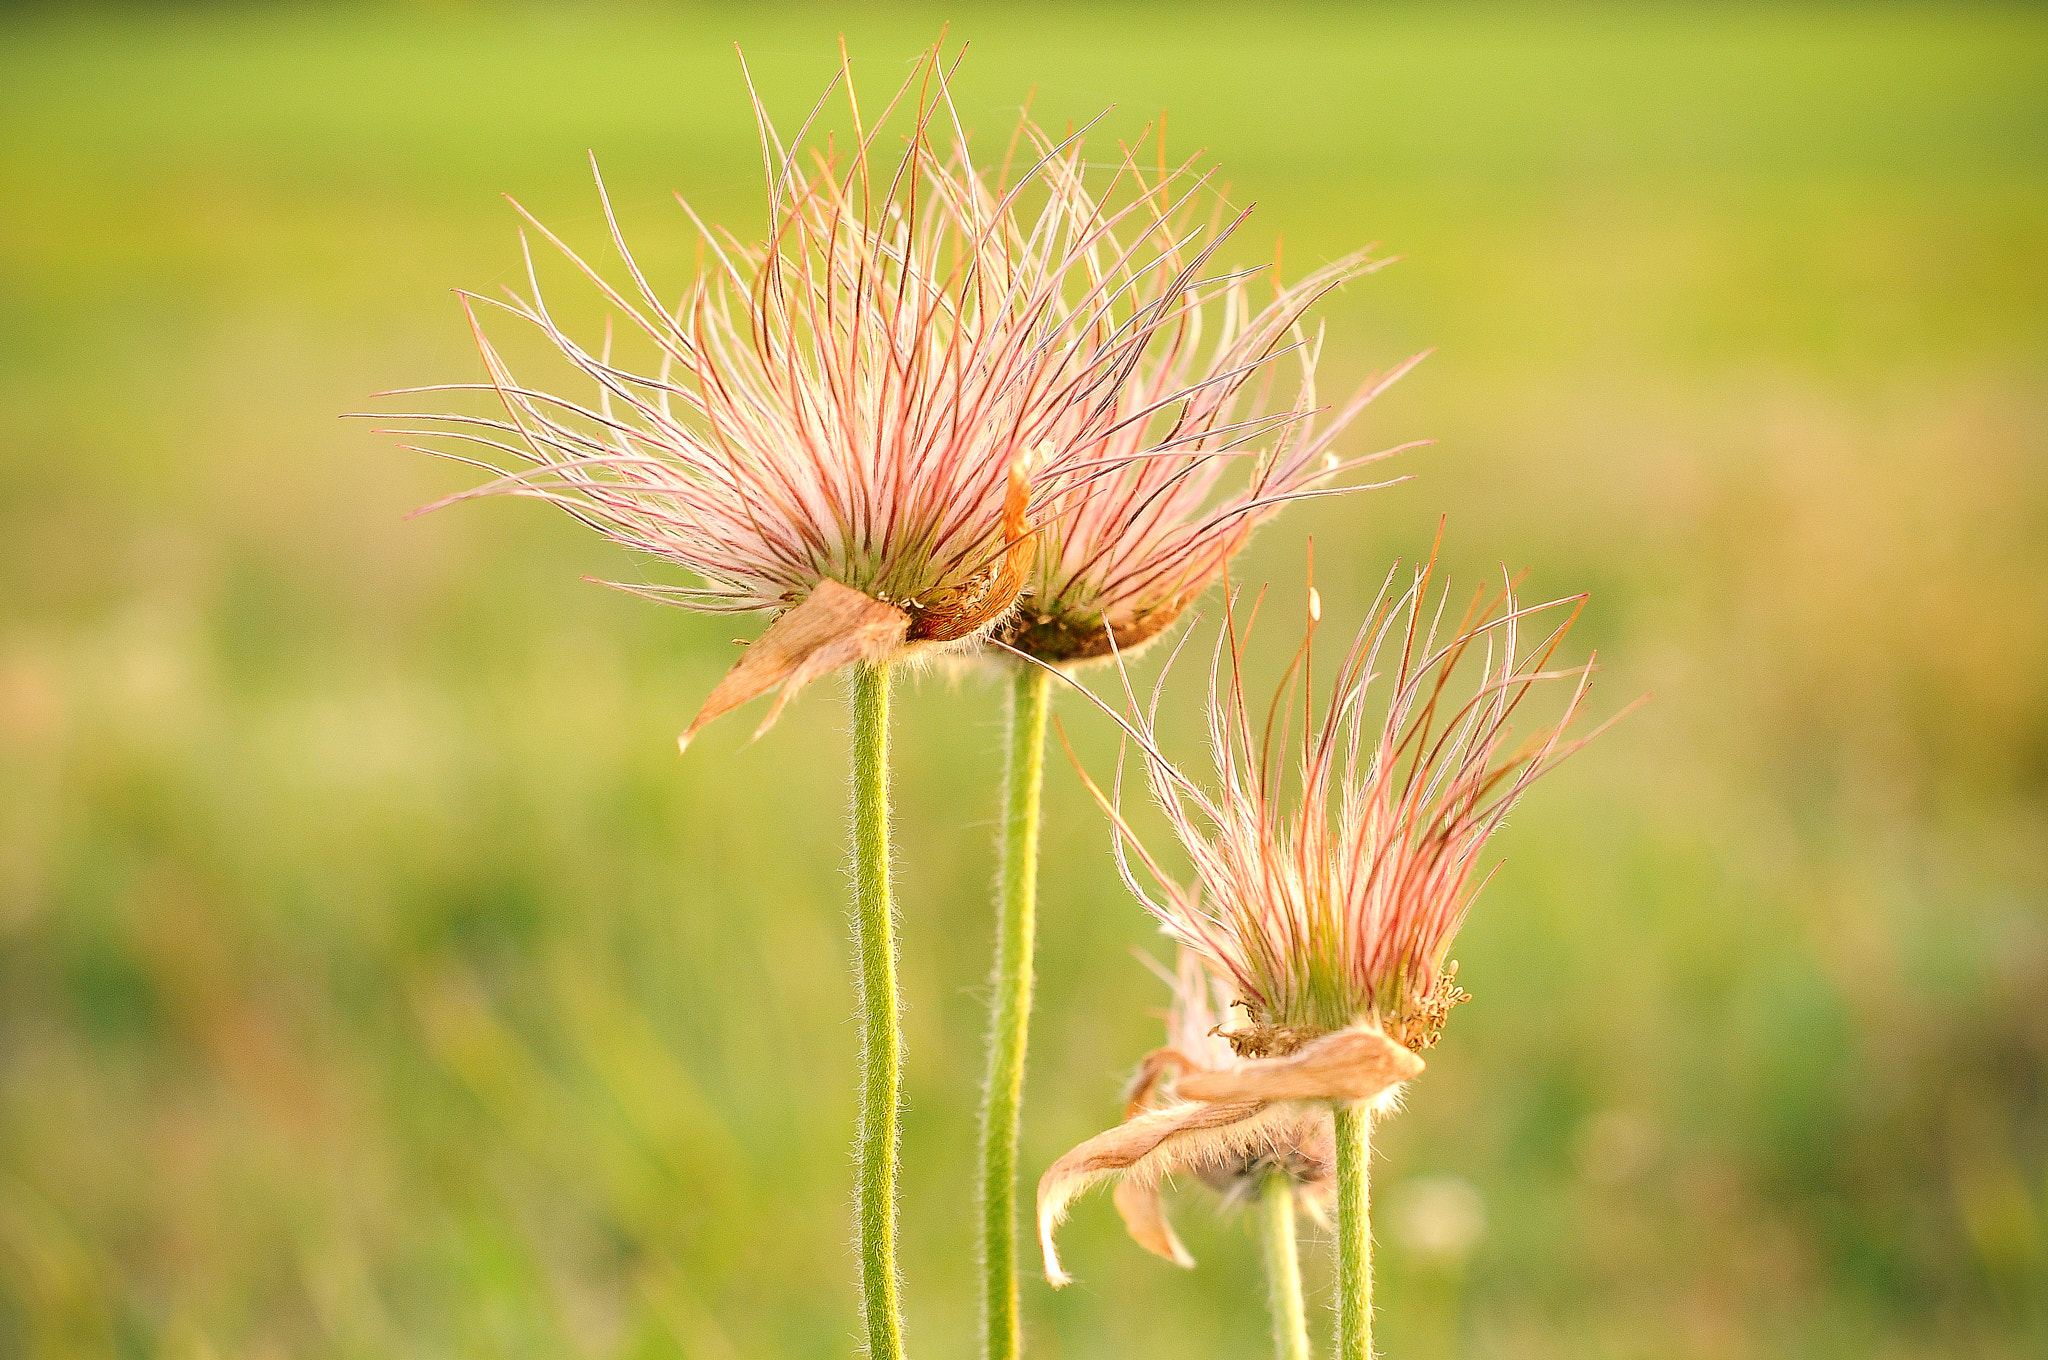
(1423, 1028)
(1262, 1040)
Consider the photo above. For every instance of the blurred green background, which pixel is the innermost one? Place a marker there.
(375, 980)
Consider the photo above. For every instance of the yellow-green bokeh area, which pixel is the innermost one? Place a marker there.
(376, 981)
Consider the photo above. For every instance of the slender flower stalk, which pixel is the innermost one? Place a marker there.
(1010, 1020)
(1283, 1268)
(1354, 1232)
(1328, 902)
(874, 932)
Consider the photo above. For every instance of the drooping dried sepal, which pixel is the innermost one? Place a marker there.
(1147, 1148)
(1142, 1207)
(1218, 1121)
(1351, 1065)
(832, 627)
(1296, 1145)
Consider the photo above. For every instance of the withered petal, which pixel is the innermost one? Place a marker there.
(834, 625)
(1185, 1137)
(1352, 1064)
(1144, 1213)
(1151, 1076)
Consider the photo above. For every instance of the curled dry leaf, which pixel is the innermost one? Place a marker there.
(833, 626)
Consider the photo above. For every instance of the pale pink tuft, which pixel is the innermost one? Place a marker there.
(1330, 900)
(1145, 533)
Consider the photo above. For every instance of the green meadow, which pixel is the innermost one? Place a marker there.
(377, 980)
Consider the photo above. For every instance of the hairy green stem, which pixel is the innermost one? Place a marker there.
(1354, 1234)
(1283, 1267)
(1010, 1010)
(874, 934)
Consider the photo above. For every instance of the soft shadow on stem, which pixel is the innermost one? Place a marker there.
(874, 932)
(1354, 1233)
(1283, 1267)
(1010, 1009)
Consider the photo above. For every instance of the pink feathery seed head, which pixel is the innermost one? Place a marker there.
(865, 422)
(1330, 898)
(1144, 532)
